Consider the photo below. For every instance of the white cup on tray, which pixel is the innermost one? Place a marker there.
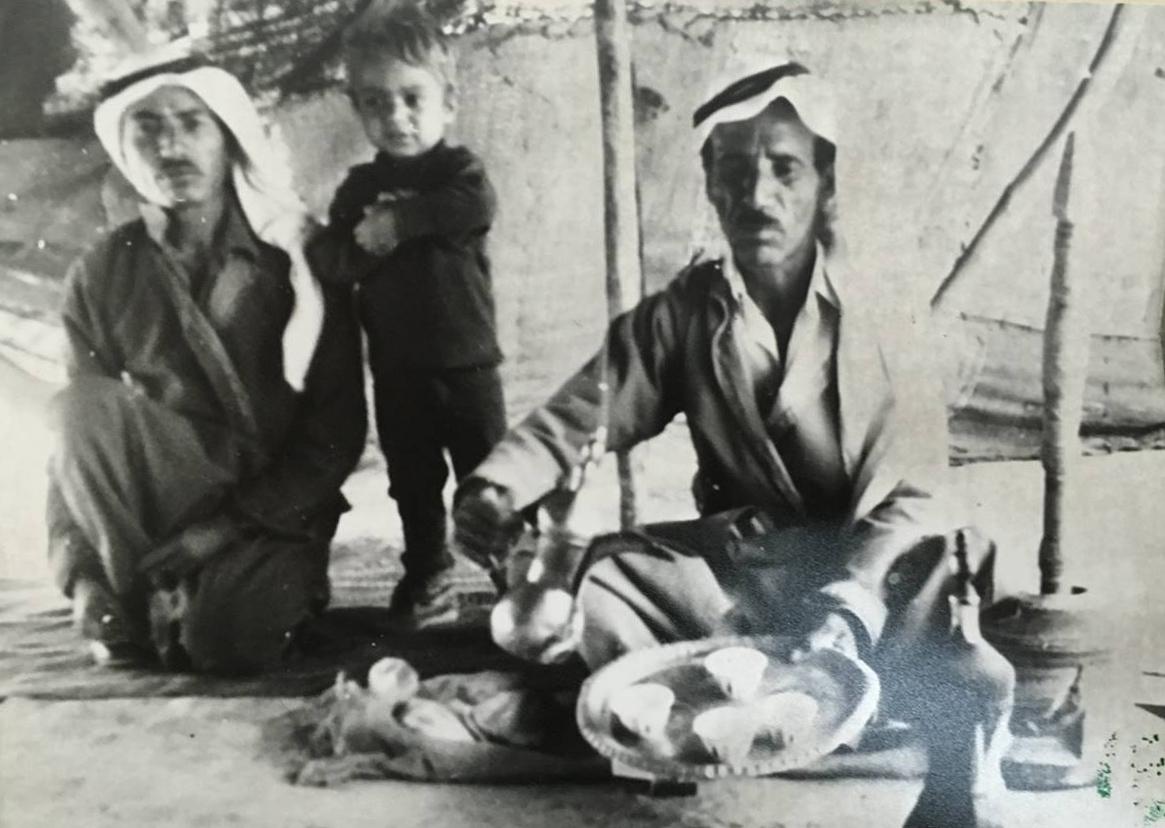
(737, 670)
(644, 709)
(726, 732)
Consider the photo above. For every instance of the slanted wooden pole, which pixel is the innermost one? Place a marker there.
(1065, 372)
(620, 212)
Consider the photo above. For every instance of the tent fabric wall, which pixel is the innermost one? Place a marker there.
(1117, 206)
(942, 105)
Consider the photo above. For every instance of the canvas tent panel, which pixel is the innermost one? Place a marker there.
(1117, 201)
(1002, 380)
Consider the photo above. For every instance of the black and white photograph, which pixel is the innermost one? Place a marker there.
(552, 413)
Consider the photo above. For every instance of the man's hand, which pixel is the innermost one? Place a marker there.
(834, 633)
(377, 231)
(485, 524)
(189, 549)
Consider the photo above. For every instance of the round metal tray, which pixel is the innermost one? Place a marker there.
(846, 691)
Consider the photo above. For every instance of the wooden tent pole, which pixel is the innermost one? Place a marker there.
(1065, 372)
(1060, 640)
(621, 215)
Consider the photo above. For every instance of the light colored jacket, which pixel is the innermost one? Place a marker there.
(677, 352)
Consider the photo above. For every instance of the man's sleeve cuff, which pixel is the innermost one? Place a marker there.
(860, 604)
(71, 561)
(526, 472)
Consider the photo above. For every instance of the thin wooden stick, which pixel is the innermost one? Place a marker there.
(1065, 372)
(620, 210)
(1000, 207)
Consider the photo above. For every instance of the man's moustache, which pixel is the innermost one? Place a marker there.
(171, 168)
(756, 220)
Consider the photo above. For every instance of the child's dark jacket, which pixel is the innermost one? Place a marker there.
(430, 301)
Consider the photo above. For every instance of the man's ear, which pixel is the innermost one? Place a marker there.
(451, 99)
(713, 190)
(708, 163)
(233, 148)
(827, 209)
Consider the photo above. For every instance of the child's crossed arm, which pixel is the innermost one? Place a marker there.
(463, 205)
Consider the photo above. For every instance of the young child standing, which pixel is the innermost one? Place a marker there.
(411, 229)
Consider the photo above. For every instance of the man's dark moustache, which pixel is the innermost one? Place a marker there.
(179, 167)
(755, 220)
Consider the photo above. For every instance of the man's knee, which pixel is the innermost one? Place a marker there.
(628, 597)
(245, 619)
(595, 584)
(611, 627)
(87, 413)
(619, 556)
(231, 637)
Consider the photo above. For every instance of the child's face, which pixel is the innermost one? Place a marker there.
(405, 109)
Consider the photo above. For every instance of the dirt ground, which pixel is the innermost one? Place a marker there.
(197, 761)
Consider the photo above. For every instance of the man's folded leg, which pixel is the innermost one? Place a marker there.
(246, 606)
(641, 592)
(126, 472)
(692, 579)
(130, 472)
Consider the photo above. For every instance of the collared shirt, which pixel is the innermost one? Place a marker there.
(797, 398)
(237, 276)
(234, 247)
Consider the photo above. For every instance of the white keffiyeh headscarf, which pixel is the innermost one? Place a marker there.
(262, 182)
(746, 89)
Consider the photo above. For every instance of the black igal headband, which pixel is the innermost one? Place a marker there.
(176, 66)
(745, 88)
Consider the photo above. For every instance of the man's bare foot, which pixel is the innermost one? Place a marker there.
(168, 608)
(98, 618)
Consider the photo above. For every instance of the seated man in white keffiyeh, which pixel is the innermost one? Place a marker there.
(215, 402)
(820, 452)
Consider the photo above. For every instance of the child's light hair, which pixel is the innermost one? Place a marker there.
(404, 32)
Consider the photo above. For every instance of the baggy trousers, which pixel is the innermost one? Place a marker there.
(132, 473)
(692, 579)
